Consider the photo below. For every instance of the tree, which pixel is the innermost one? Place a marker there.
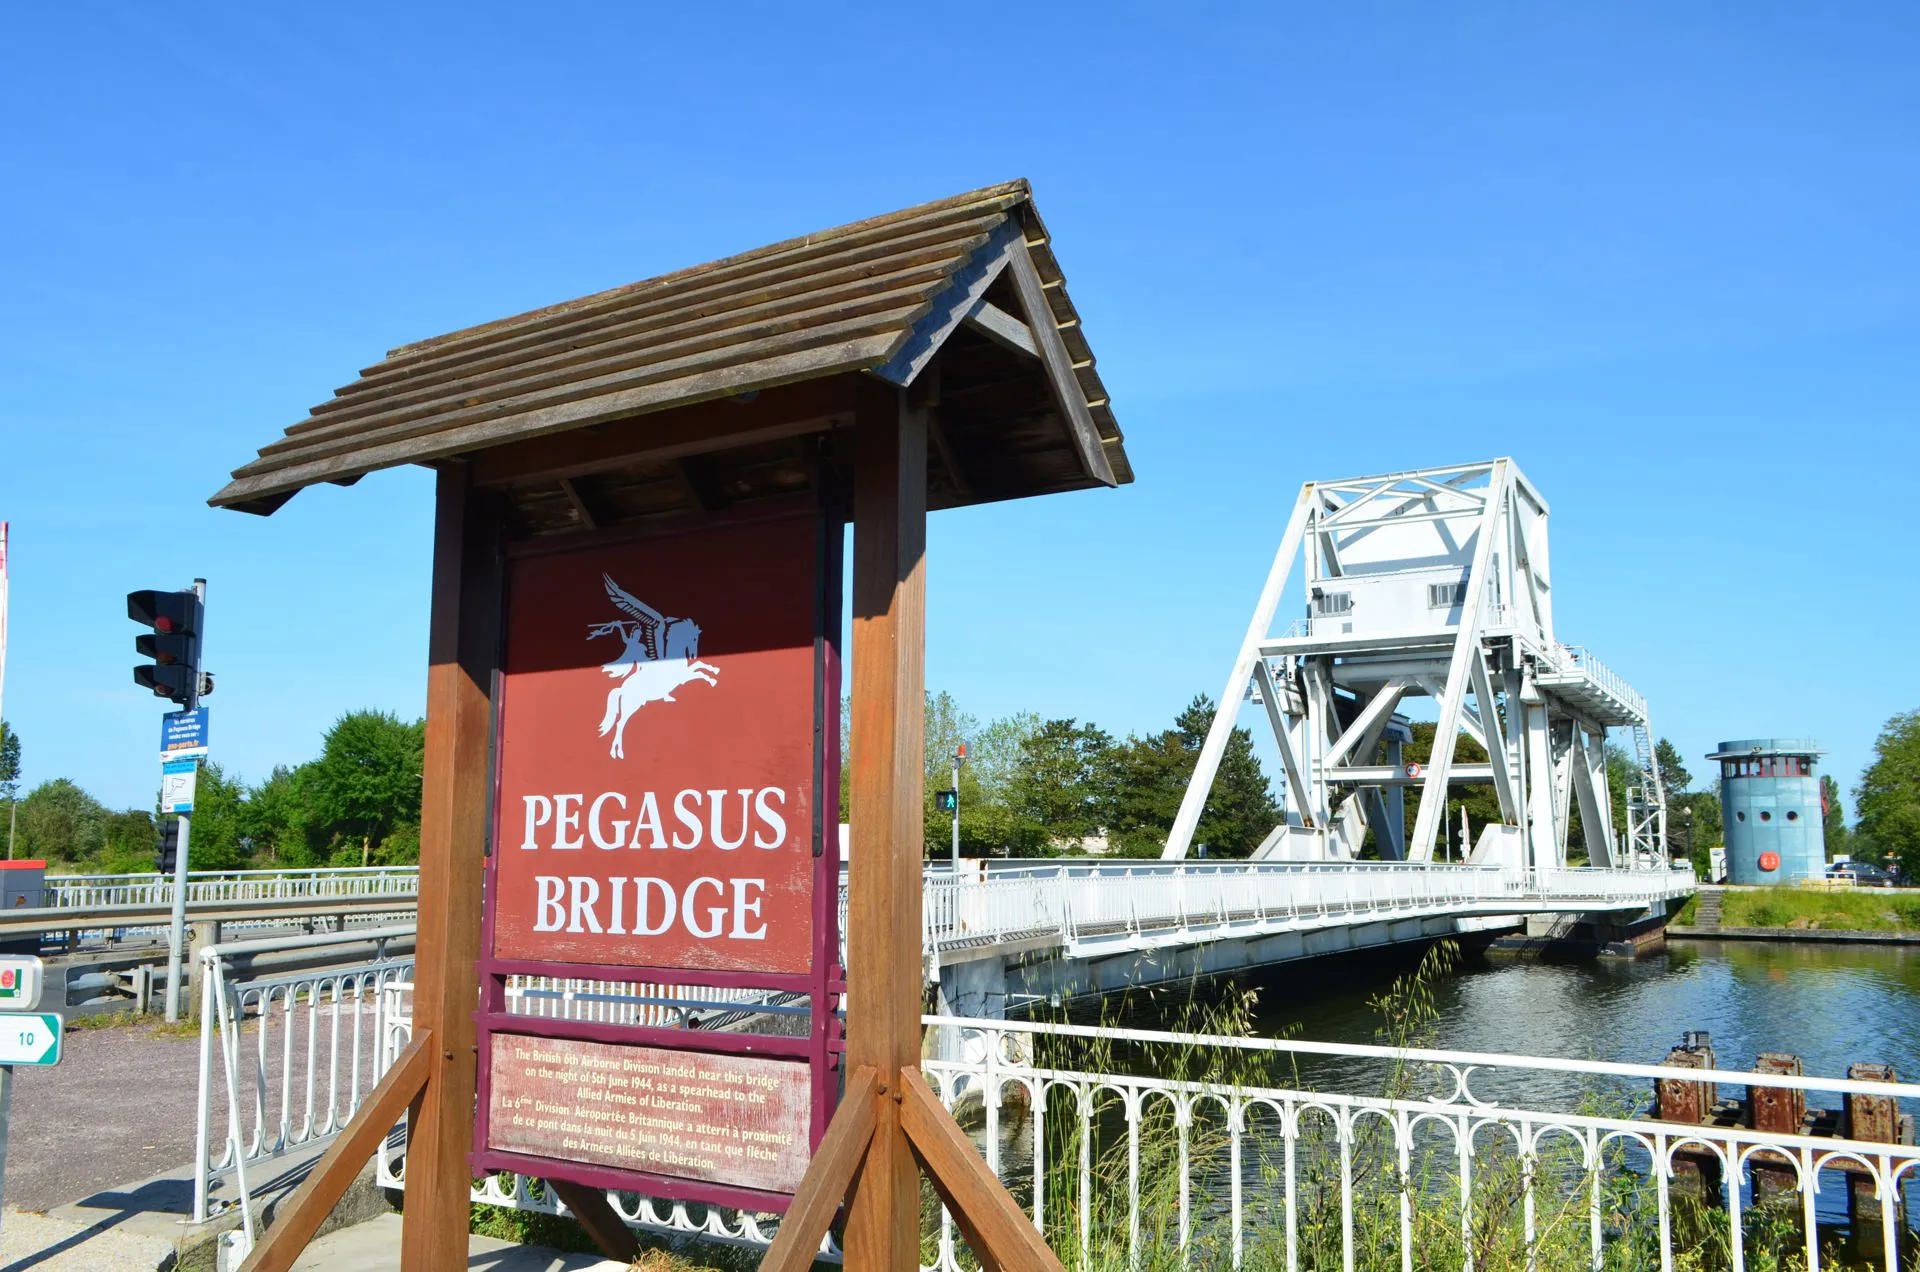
(277, 821)
(1149, 778)
(1673, 773)
(214, 842)
(1887, 801)
(1061, 788)
(129, 842)
(10, 776)
(1833, 818)
(1240, 811)
(1481, 802)
(366, 782)
(60, 822)
(988, 825)
(9, 761)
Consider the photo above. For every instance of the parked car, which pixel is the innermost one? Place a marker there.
(1864, 874)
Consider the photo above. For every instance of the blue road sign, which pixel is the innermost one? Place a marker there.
(183, 734)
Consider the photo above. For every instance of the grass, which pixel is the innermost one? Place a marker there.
(1852, 910)
(155, 1023)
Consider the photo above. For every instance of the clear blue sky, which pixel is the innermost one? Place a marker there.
(1666, 256)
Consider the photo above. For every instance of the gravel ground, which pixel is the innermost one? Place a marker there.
(118, 1108)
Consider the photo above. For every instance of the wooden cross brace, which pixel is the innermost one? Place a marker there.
(995, 1228)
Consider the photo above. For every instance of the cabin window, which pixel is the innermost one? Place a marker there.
(1446, 595)
(1329, 603)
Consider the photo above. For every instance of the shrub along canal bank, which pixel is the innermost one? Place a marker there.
(1865, 915)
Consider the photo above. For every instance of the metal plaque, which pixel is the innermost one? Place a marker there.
(737, 1120)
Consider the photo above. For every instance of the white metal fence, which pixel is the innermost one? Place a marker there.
(86, 892)
(1337, 1165)
(296, 1053)
(1138, 1149)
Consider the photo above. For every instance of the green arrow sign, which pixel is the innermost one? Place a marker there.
(29, 1037)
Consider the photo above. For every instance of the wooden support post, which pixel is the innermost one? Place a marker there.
(597, 1215)
(314, 1200)
(996, 1229)
(841, 1152)
(883, 914)
(463, 643)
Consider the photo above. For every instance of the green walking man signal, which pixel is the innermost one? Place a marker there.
(946, 801)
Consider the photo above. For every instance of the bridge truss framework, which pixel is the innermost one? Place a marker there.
(1432, 583)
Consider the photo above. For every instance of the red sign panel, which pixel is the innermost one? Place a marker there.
(724, 1119)
(665, 744)
(657, 753)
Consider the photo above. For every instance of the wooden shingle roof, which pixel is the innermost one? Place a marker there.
(970, 281)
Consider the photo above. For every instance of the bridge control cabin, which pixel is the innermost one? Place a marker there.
(1433, 584)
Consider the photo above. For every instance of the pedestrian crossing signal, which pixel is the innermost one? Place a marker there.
(946, 801)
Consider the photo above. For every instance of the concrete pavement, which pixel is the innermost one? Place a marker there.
(46, 1244)
(374, 1246)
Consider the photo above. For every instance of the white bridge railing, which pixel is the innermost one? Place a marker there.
(1070, 902)
(85, 892)
(1082, 905)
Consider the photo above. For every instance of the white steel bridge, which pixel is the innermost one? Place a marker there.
(1077, 908)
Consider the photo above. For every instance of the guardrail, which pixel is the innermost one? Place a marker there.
(1577, 658)
(205, 886)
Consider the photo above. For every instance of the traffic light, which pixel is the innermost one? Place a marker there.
(169, 849)
(174, 644)
(946, 801)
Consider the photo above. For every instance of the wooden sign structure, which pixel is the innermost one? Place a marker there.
(925, 359)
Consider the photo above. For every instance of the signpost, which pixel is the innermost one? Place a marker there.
(663, 797)
(26, 1036)
(178, 620)
(632, 734)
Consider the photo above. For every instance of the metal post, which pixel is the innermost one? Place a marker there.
(959, 754)
(177, 932)
(6, 1117)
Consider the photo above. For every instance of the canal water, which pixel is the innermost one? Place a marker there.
(1831, 1004)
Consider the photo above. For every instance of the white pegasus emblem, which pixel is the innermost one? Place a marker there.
(661, 654)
